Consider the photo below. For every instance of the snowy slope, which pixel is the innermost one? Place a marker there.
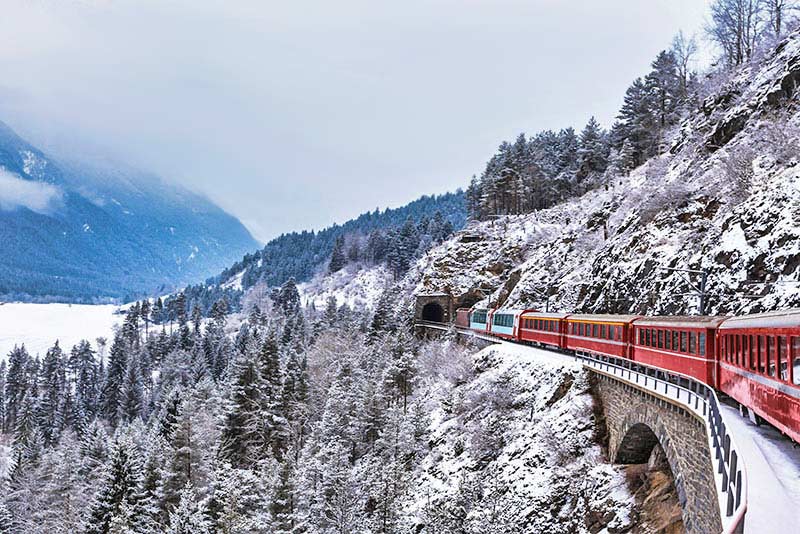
(356, 286)
(725, 197)
(521, 434)
(38, 326)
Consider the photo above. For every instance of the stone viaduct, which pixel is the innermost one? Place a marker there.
(637, 420)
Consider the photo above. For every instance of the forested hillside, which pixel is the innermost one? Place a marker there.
(392, 237)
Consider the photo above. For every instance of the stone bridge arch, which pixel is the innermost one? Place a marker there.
(637, 422)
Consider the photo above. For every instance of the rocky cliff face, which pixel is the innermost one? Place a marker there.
(724, 197)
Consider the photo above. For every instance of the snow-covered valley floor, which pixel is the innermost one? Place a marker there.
(38, 326)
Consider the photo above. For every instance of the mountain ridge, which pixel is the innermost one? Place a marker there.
(75, 232)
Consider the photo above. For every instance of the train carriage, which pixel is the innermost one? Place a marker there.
(462, 317)
(759, 366)
(543, 328)
(504, 323)
(604, 335)
(479, 319)
(684, 344)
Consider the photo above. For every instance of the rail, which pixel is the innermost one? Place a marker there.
(699, 398)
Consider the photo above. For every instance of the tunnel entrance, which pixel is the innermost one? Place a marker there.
(433, 312)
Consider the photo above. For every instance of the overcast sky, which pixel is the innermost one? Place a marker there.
(294, 115)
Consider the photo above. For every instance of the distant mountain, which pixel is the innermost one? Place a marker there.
(85, 232)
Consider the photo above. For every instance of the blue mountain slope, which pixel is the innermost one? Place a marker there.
(108, 232)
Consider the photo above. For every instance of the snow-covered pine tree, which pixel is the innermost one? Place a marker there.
(242, 410)
(51, 390)
(131, 398)
(337, 256)
(120, 502)
(16, 385)
(189, 517)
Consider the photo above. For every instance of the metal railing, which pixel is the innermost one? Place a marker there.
(698, 397)
(701, 399)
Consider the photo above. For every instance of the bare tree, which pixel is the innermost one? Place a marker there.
(684, 50)
(778, 12)
(735, 26)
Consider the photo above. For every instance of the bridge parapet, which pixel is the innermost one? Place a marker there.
(645, 406)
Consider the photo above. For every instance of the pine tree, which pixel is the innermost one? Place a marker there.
(337, 256)
(110, 395)
(592, 151)
(243, 408)
(16, 385)
(52, 389)
(190, 515)
(120, 502)
(131, 399)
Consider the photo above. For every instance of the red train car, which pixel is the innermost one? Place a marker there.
(605, 335)
(685, 345)
(462, 317)
(759, 366)
(543, 328)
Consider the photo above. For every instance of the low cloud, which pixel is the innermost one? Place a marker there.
(18, 193)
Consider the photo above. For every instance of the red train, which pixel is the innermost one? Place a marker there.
(754, 359)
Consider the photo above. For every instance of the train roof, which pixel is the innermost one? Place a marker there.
(682, 321)
(545, 315)
(776, 319)
(601, 318)
(510, 311)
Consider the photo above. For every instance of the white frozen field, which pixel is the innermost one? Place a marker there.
(38, 326)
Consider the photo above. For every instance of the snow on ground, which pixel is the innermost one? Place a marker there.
(772, 463)
(354, 285)
(38, 326)
(522, 430)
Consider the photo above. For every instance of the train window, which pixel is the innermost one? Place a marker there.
(603, 331)
(667, 340)
(702, 343)
(771, 355)
(796, 360)
(738, 354)
(675, 340)
(780, 353)
(683, 341)
(647, 337)
(727, 351)
(751, 352)
(660, 339)
(611, 332)
(762, 354)
(692, 343)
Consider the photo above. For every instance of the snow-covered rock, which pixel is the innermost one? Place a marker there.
(725, 198)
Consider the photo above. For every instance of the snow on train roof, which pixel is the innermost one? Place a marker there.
(682, 321)
(776, 319)
(602, 318)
